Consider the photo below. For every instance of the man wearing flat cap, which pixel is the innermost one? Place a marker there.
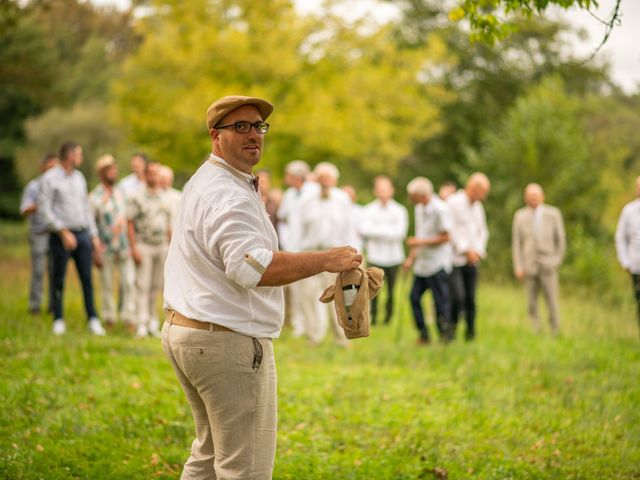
(224, 301)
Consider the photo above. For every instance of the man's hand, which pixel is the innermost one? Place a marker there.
(98, 250)
(340, 259)
(135, 254)
(408, 263)
(69, 241)
(415, 242)
(519, 274)
(473, 257)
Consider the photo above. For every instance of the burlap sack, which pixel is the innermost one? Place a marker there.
(370, 282)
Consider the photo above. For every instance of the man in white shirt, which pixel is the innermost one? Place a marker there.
(38, 235)
(150, 218)
(356, 217)
(446, 189)
(628, 242)
(430, 257)
(64, 203)
(469, 236)
(384, 224)
(135, 181)
(538, 246)
(223, 294)
(295, 177)
(324, 222)
(165, 182)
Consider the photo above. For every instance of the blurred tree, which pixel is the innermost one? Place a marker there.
(87, 124)
(543, 139)
(343, 91)
(25, 74)
(52, 52)
(486, 80)
(491, 20)
(612, 124)
(87, 44)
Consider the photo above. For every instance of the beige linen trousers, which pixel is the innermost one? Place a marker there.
(230, 382)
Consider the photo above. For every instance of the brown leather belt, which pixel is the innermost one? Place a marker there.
(175, 318)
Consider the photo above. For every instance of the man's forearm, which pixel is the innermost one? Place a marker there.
(131, 235)
(288, 267)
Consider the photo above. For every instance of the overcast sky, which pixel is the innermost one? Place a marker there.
(622, 50)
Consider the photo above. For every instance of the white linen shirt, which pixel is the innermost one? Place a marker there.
(63, 201)
(37, 224)
(288, 214)
(384, 228)
(222, 243)
(469, 227)
(431, 220)
(628, 237)
(131, 184)
(325, 222)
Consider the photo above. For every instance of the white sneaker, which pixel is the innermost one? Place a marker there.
(59, 327)
(154, 328)
(142, 331)
(95, 327)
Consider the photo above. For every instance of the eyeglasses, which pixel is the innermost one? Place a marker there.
(245, 127)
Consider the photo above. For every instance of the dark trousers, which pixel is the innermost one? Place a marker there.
(463, 297)
(439, 286)
(82, 256)
(390, 274)
(635, 279)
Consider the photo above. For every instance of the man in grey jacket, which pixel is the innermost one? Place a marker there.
(538, 247)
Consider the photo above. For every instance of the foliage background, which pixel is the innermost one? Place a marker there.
(411, 96)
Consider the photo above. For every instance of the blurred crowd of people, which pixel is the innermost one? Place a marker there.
(123, 227)
(450, 239)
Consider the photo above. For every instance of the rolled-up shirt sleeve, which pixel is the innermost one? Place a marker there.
(245, 251)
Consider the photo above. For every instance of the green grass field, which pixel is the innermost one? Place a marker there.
(511, 405)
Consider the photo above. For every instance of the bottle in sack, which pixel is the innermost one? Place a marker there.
(349, 293)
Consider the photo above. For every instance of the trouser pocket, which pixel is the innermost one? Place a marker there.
(257, 354)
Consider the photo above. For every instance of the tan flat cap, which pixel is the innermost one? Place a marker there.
(218, 109)
(104, 162)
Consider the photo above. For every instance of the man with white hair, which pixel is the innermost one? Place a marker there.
(295, 177)
(538, 246)
(469, 236)
(165, 182)
(628, 242)
(384, 224)
(324, 222)
(430, 256)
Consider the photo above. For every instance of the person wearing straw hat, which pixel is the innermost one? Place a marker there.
(109, 208)
(224, 301)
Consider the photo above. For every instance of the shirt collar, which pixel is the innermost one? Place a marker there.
(252, 180)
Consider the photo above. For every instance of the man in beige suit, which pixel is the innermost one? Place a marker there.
(538, 245)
